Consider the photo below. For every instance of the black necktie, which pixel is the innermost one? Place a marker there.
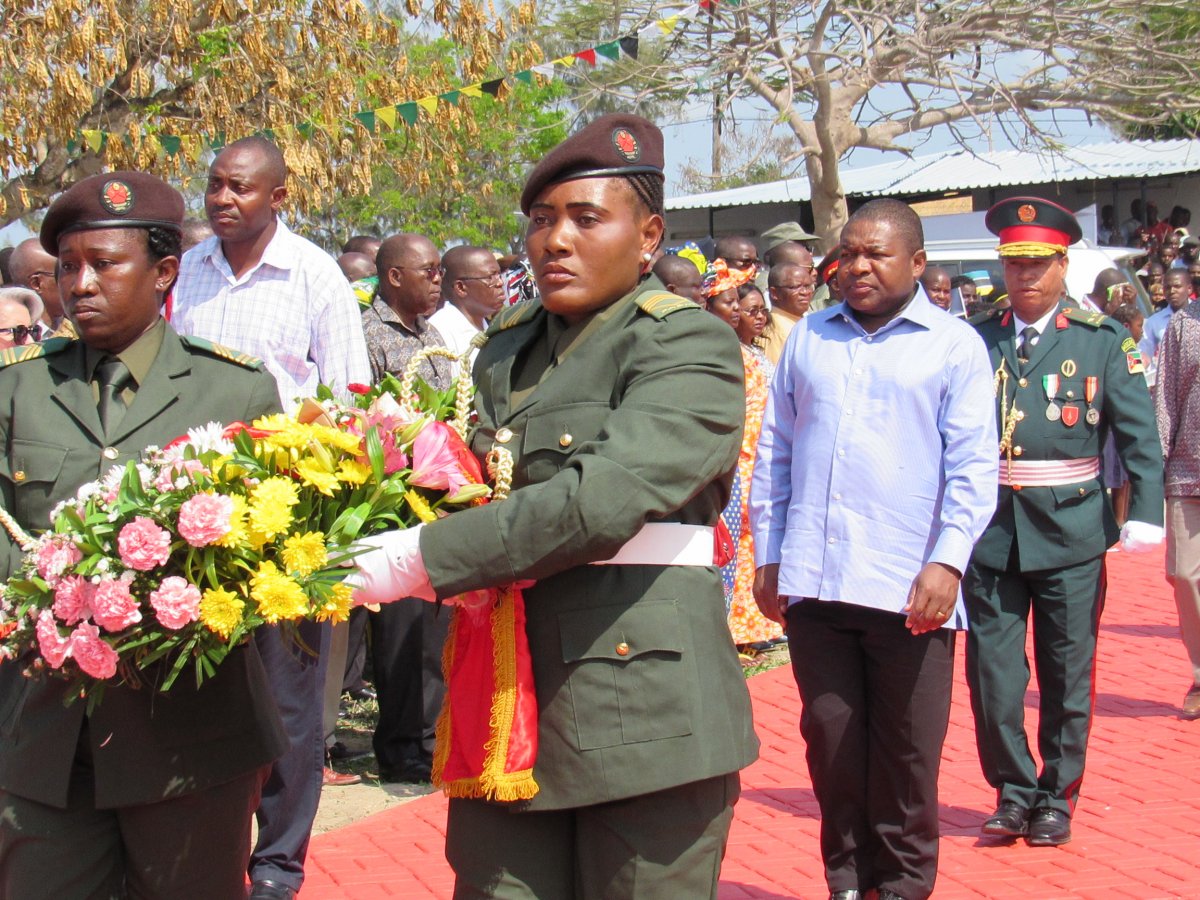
(1029, 336)
(113, 377)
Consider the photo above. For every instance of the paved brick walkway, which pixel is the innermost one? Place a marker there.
(1137, 828)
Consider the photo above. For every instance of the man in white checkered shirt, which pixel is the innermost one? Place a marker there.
(259, 288)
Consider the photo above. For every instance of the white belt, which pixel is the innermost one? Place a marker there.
(1048, 472)
(666, 544)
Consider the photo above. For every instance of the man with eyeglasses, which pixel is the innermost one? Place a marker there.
(20, 309)
(738, 252)
(32, 267)
(791, 288)
(257, 287)
(473, 291)
(407, 636)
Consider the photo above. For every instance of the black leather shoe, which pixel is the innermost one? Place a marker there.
(271, 890)
(366, 692)
(1009, 820)
(845, 895)
(1048, 828)
(885, 894)
(409, 773)
(341, 752)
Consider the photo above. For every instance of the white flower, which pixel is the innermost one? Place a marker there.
(210, 437)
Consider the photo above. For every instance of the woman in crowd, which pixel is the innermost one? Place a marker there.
(754, 316)
(750, 629)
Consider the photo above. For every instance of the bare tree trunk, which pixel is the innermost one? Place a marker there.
(828, 200)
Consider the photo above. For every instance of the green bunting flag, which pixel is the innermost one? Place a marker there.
(408, 112)
(612, 50)
(525, 75)
(367, 119)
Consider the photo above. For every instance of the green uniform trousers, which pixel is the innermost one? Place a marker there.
(193, 847)
(661, 846)
(1066, 605)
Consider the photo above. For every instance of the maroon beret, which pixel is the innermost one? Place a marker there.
(112, 200)
(613, 146)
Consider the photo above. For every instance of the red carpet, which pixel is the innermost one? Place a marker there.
(1136, 830)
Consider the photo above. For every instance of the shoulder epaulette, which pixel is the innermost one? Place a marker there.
(661, 304)
(514, 315)
(1084, 316)
(33, 351)
(985, 316)
(222, 352)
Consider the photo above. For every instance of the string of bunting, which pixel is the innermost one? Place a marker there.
(409, 112)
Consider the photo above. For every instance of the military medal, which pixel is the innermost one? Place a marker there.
(1068, 368)
(1090, 385)
(1050, 383)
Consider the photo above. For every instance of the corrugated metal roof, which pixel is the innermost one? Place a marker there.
(962, 170)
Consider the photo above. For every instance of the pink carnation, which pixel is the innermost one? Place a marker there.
(56, 556)
(92, 653)
(54, 647)
(73, 599)
(113, 606)
(143, 545)
(204, 518)
(180, 468)
(176, 602)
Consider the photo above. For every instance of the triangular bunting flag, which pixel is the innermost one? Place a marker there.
(524, 75)
(94, 139)
(306, 129)
(565, 61)
(666, 26)
(429, 104)
(387, 115)
(215, 141)
(493, 87)
(367, 119)
(630, 46)
(408, 112)
(450, 97)
(612, 49)
(588, 56)
(192, 145)
(545, 69)
(472, 90)
(72, 146)
(689, 11)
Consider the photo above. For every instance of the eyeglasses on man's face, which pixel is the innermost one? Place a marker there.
(491, 280)
(432, 272)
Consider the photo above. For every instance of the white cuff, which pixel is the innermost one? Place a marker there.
(1140, 537)
(391, 568)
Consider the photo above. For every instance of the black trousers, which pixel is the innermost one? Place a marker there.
(876, 705)
(356, 650)
(1065, 604)
(406, 651)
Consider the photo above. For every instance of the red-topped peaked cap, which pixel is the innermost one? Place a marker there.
(1031, 226)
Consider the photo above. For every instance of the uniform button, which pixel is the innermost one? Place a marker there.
(110, 452)
(1023, 382)
(1082, 491)
(1070, 394)
(622, 649)
(504, 435)
(19, 475)
(1019, 415)
(565, 440)
(1017, 451)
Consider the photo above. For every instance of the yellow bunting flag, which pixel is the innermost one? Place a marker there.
(94, 139)
(429, 104)
(472, 90)
(387, 115)
(565, 61)
(668, 25)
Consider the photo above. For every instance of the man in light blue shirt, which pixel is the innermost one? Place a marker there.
(876, 473)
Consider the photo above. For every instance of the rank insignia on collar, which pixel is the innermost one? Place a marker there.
(1060, 322)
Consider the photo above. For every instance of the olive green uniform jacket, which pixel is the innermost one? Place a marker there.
(145, 747)
(640, 422)
(1065, 525)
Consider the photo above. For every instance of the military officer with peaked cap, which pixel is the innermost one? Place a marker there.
(150, 795)
(622, 406)
(1065, 379)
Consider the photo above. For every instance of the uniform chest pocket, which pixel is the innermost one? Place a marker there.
(629, 671)
(552, 435)
(34, 470)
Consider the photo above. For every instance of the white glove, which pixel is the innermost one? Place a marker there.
(391, 569)
(1140, 537)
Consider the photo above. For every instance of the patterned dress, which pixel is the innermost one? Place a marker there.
(746, 624)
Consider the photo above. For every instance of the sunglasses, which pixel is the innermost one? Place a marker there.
(430, 272)
(20, 333)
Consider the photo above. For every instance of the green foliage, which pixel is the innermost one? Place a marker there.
(458, 198)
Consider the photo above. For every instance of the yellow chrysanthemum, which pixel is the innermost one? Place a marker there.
(313, 474)
(271, 503)
(278, 597)
(304, 553)
(337, 608)
(351, 471)
(420, 506)
(335, 437)
(238, 533)
(221, 611)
